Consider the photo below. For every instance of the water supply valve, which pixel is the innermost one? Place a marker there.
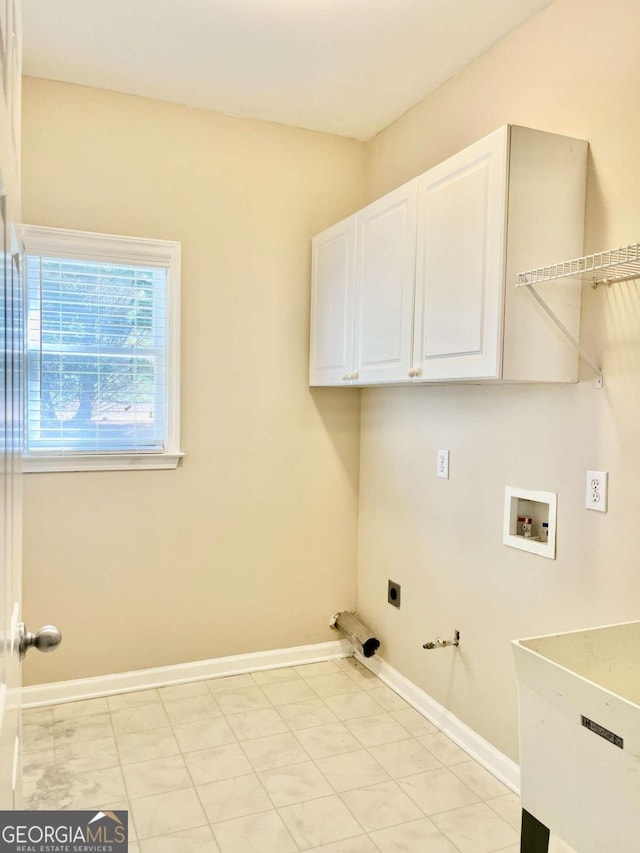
(442, 644)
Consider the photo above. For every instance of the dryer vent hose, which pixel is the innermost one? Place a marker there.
(361, 636)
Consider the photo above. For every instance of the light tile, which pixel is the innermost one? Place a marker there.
(37, 716)
(274, 751)
(96, 786)
(312, 670)
(413, 722)
(361, 675)
(130, 700)
(346, 662)
(475, 829)
(387, 698)
(37, 736)
(479, 780)
(333, 685)
(379, 806)
(294, 783)
(322, 741)
(377, 729)
(87, 755)
(167, 813)
(144, 746)
(243, 795)
(183, 691)
(349, 706)
(190, 709)
(304, 715)
(156, 777)
(288, 691)
(79, 729)
(420, 836)
(230, 682)
(437, 790)
(404, 758)
(317, 822)
(509, 808)
(47, 787)
(360, 844)
(217, 763)
(34, 763)
(273, 676)
(444, 749)
(134, 847)
(243, 699)
(203, 733)
(264, 832)
(352, 770)
(197, 840)
(141, 718)
(256, 724)
(84, 708)
(401, 744)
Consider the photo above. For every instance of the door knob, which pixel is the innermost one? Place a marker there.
(47, 639)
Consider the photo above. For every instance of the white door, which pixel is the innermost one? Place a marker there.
(460, 263)
(10, 406)
(14, 639)
(332, 302)
(385, 275)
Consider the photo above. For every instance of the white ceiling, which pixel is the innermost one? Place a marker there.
(342, 66)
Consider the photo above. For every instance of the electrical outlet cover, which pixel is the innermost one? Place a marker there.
(393, 593)
(442, 469)
(597, 490)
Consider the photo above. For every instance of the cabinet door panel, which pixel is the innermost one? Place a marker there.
(460, 263)
(332, 303)
(385, 270)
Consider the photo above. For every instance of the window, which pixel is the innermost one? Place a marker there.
(102, 351)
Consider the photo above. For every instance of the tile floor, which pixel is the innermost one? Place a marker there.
(321, 757)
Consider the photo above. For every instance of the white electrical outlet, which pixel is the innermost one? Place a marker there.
(597, 483)
(443, 464)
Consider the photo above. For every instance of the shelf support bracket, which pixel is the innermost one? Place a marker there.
(574, 343)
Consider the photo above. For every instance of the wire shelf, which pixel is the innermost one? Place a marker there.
(621, 264)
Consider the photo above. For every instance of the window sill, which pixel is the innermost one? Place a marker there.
(108, 462)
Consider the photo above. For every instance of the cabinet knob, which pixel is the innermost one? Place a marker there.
(415, 371)
(354, 375)
(346, 377)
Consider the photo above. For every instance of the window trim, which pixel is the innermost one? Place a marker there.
(110, 248)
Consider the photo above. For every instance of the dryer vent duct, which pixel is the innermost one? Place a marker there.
(361, 636)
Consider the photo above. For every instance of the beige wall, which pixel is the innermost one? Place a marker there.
(573, 69)
(251, 543)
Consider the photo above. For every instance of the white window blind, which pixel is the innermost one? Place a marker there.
(101, 358)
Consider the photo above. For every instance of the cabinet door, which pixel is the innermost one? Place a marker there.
(385, 275)
(460, 263)
(332, 304)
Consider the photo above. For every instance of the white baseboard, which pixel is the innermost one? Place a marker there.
(142, 679)
(496, 762)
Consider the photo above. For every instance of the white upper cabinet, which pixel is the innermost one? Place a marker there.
(424, 284)
(363, 272)
(385, 270)
(332, 304)
(460, 263)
